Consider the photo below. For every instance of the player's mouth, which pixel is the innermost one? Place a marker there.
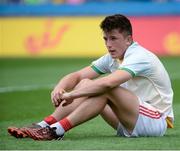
(112, 51)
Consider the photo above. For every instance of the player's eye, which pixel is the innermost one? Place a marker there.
(113, 38)
(105, 39)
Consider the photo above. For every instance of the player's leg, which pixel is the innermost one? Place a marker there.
(87, 110)
(59, 113)
(123, 106)
(136, 118)
(93, 106)
(62, 111)
(109, 116)
(123, 103)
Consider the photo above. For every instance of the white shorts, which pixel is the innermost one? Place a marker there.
(149, 123)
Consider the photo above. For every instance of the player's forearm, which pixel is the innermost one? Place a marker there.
(101, 85)
(68, 82)
(91, 89)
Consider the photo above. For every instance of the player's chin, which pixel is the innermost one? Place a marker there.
(114, 56)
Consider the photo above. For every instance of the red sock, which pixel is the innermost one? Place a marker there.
(50, 120)
(65, 123)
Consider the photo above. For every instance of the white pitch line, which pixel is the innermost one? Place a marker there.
(25, 88)
(173, 76)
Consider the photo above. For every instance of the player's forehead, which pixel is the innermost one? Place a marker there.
(114, 32)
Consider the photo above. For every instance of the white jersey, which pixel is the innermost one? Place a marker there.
(150, 81)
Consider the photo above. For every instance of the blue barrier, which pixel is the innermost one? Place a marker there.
(93, 9)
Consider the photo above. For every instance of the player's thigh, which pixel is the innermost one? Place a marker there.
(109, 116)
(125, 105)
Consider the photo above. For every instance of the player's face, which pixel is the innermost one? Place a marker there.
(117, 43)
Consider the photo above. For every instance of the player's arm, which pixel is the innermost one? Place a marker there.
(70, 81)
(100, 86)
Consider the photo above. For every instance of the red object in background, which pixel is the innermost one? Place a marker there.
(160, 35)
(35, 45)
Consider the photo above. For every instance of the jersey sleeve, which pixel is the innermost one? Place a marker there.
(136, 64)
(101, 65)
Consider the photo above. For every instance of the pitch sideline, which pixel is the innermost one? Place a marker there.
(25, 88)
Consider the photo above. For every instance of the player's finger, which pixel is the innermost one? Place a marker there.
(53, 97)
(67, 103)
(62, 91)
(55, 102)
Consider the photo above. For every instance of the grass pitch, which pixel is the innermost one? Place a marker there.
(25, 87)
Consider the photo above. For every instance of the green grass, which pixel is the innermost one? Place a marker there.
(20, 107)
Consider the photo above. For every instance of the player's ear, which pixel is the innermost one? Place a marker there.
(129, 40)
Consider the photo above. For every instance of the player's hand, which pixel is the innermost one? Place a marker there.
(56, 96)
(67, 99)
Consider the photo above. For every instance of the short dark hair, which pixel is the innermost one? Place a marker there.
(117, 21)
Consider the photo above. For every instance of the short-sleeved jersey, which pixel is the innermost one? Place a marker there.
(150, 81)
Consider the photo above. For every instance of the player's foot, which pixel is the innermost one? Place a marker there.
(46, 133)
(21, 132)
(17, 132)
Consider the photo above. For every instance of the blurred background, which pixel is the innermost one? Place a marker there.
(70, 28)
(43, 40)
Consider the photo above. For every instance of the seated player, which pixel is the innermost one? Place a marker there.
(135, 97)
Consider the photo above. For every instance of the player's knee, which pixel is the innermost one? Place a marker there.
(113, 90)
(117, 90)
(83, 82)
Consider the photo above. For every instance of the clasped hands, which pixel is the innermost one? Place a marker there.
(59, 96)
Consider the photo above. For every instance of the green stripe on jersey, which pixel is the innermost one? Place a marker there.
(96, 69)
(128, 70)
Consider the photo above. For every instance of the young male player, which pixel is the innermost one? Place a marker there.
(135, 98)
